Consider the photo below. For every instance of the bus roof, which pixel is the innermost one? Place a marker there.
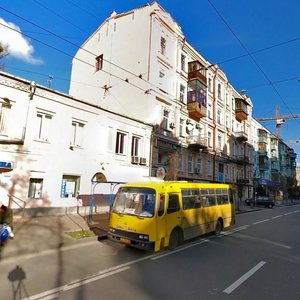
(175, 184)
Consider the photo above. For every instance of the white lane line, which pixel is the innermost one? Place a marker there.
(54, 293)
(288, 213)
(276, 217)
(242, 279)
(179, 249)
(262, 221)
(231, 231)
(99, 275)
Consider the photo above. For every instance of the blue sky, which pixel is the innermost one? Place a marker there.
(255, 42)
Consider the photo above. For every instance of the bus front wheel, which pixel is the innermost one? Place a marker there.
(174, 240)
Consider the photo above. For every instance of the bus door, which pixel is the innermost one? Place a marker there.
(173, 214)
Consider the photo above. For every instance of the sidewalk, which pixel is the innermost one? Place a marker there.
(36, 234)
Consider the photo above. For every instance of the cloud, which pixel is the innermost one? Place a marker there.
(16, 44)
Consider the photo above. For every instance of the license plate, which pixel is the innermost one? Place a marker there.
(125, 241)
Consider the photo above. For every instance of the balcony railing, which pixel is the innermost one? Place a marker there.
(241, 136)
(242, 159)
(196, 142)
(241, 112)
(197, 71)
(263, 166)
(196, 104)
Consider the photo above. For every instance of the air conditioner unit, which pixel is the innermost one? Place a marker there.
(135, 159)
(143, 161)
(197, 171)
(172, 125)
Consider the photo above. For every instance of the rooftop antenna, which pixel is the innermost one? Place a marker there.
(49, 81)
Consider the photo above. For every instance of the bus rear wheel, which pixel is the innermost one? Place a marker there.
(219, 228)
(175, 239)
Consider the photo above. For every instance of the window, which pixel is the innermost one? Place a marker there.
(35, 188)
(209, 141)
(4, 111)
(77, 134)
(69, 186)
(210, 85)
(219, 91)
(226, 100)
(182, 93)
(181, 127)
(190, 164)
(43, 125)
(183, 62)
(99, 62)
(209, 111)
(163, 46)
(173, 205)
(209, 168)
(219, 116)
(180, 163)
(135, 146)
(162, 78)
(165, 120)
(220, 142)
(121, 143)
(199, 166)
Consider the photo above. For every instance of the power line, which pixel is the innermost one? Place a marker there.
(58, 15)
(259, 50)
(252, 58)
(70, 55)
(87, 51)
(82, 9)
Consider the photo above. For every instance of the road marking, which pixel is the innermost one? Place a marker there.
(288, 213)
(242, 279)
(179, 249)
(276, 217)
(262, 221)
(54, 293)
(234, 230)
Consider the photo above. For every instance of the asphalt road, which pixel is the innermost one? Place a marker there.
(258, 258)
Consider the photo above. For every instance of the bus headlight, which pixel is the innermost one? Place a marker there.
(112, 230)
(144, 237)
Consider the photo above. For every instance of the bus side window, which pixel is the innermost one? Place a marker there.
(161, 208)
(173, 204)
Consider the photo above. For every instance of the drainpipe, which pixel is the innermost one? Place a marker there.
(214, 121)
(32, 90)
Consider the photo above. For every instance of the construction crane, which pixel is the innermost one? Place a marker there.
(279, 120)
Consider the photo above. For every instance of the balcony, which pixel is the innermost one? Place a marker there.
(241, 113)
(263, 166)
(195, 143)
(196, 104)
(241, 136)
(243, 181)
(197, 71)
(242, 159)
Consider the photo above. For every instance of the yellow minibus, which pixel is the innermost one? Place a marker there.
(155, 215)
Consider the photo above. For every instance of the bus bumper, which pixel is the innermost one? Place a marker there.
(136, 243)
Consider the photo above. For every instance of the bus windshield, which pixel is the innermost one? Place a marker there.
(135, 201)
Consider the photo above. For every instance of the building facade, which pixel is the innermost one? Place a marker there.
(143, 102)
(142, 60)
(52, 145)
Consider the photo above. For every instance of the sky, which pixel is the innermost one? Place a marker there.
(256, 43)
